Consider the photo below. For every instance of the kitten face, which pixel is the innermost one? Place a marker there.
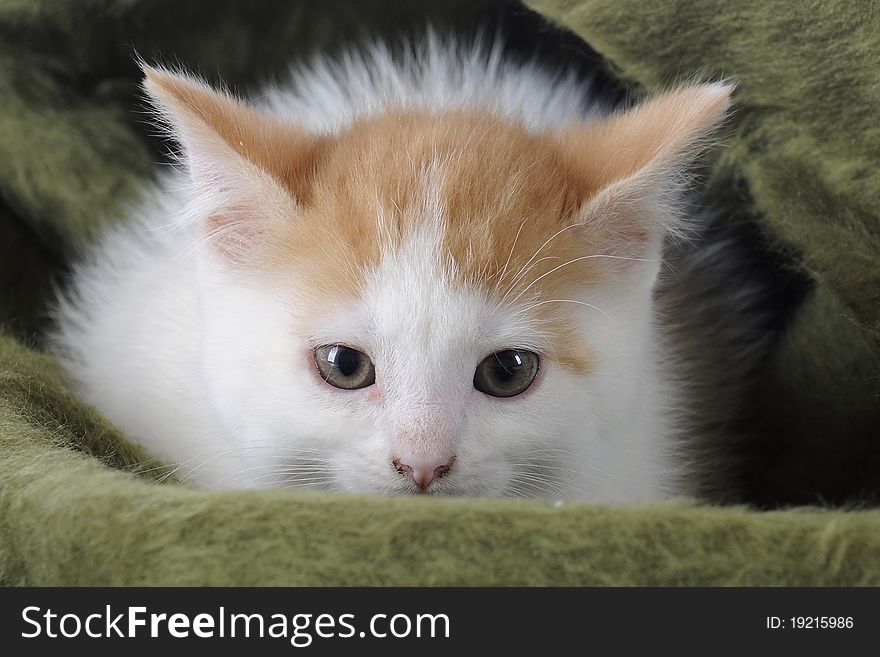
(429, 241)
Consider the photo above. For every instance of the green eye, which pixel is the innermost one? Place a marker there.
(506, 373)
(344, 367)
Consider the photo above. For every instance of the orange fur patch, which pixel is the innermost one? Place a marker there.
(502, 192)
(511, 202)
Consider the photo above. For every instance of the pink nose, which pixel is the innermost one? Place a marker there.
(423, 470)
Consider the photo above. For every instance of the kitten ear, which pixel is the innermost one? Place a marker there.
(635, 164)
(249, 167)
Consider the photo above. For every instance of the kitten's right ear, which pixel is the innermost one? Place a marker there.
(250, 168)
(635, 165)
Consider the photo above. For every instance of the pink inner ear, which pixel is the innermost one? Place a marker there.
(622, 226)
(235, 239)
(252, 168)
(623, 244)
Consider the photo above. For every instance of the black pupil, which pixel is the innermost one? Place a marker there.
(506, 365)
(346, 360)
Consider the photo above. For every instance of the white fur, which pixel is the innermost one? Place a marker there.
(211, 370)
(439, 74)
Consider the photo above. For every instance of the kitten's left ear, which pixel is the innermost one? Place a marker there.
(635, 163)
(250, 168)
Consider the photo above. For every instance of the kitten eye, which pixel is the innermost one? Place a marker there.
(506, 373)
(344, 367)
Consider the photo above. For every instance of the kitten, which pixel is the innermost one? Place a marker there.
(428, 274)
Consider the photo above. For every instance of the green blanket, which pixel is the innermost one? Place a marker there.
(78, 502)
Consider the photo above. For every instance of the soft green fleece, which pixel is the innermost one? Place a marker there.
(73, 508)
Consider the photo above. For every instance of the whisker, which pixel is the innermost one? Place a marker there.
(525, 271)
(538, 479)
(510, 255)
(186, 462)
(552, 271)
(540, 248)
(580, 303)
(524, 486)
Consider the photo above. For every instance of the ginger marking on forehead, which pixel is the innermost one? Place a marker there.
(498, 197)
